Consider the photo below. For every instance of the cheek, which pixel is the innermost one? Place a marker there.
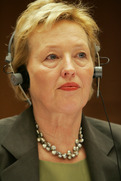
(36, 80)
(42, 81)
(88, 82)
(86, 75)
(87, 78)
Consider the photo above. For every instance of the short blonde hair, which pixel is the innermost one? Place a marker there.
(47, 13)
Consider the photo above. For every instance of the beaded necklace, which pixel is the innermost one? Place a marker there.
(52, 148)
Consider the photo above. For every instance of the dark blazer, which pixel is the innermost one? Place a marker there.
(19, 154)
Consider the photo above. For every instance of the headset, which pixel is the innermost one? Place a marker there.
(21, 79)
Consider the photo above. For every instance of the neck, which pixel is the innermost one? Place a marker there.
(60, 129)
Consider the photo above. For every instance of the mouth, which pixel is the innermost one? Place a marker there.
(70, 86)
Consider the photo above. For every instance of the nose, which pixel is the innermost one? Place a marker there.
(68, 69)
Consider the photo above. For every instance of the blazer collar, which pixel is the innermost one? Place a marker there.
(22, 135)
(100, 153)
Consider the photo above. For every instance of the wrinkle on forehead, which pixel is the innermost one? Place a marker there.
(51, 37)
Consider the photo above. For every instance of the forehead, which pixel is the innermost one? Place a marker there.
(58, 33)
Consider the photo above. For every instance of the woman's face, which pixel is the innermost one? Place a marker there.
(60, 68)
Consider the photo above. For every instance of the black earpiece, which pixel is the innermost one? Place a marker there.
(97, 72)
(16, 79)
(25, 77)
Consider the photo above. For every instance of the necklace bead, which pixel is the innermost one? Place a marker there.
(52, 148)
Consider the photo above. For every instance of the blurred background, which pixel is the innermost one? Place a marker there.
(108, 17)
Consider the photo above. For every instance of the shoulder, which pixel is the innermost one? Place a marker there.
(13, 130)
(106, 127)
(6, 124)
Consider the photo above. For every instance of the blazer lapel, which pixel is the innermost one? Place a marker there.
(25, 168)
(100, 153)
(21, 143)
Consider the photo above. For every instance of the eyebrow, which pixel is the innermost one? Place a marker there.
(78, 45)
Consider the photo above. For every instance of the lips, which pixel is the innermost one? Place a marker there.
(70, 86)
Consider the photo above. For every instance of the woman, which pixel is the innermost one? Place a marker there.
(54, 50)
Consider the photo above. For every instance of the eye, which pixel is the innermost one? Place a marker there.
(51, 57)
(81, 55)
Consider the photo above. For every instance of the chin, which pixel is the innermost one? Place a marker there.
(70, 108)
